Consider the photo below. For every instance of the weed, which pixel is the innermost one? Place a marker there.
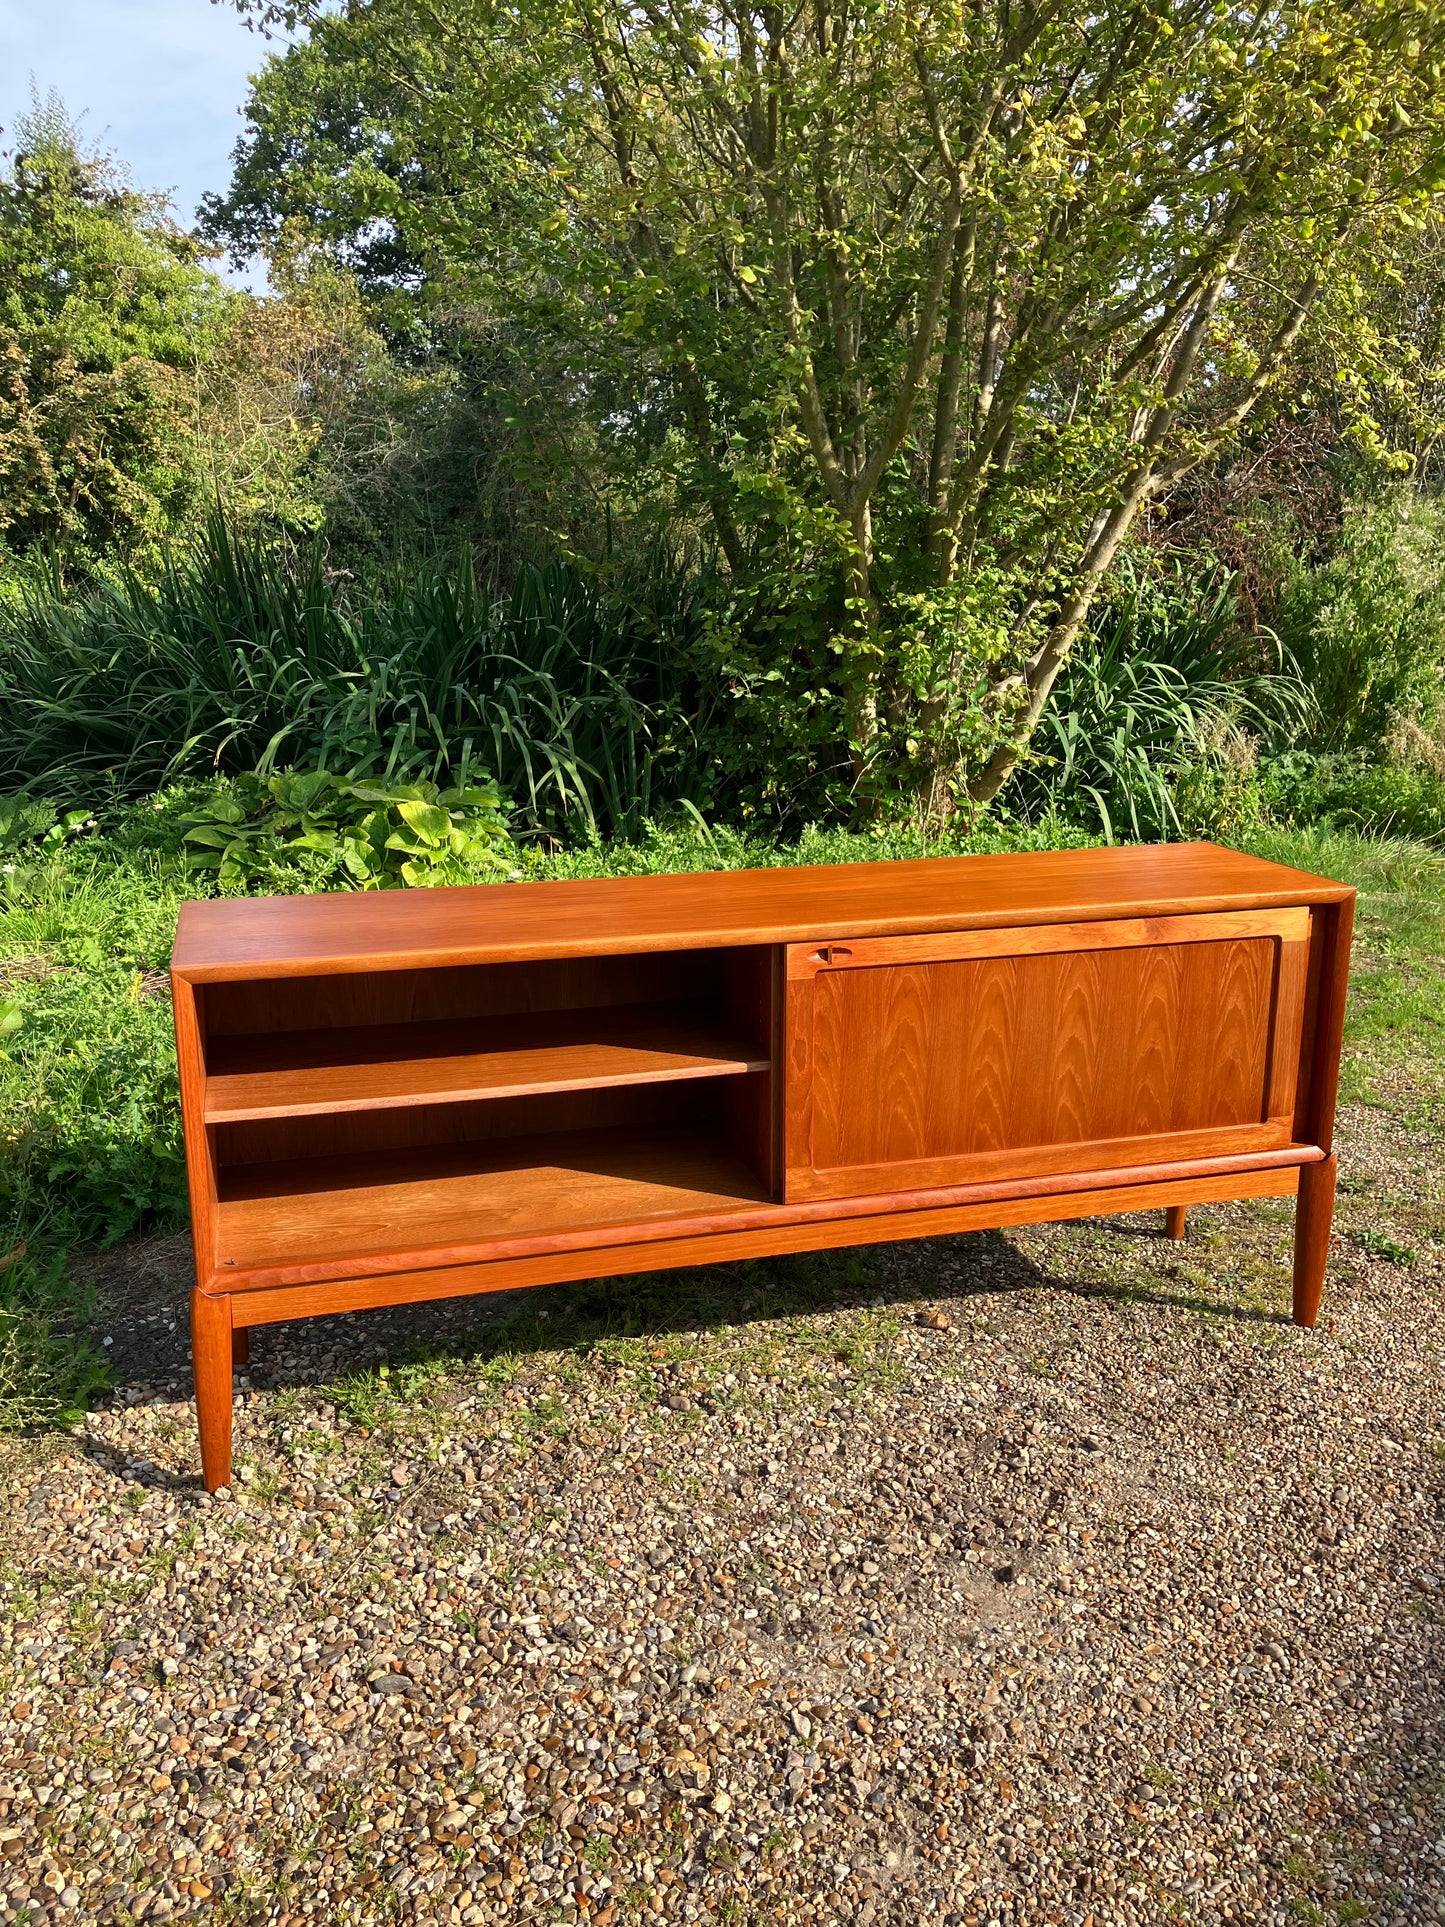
(313, 829)
(363, 1398)
(1379, 1246)
(46, 1375)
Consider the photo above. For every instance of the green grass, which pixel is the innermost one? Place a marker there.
(1396, 1017)
(90, 1147)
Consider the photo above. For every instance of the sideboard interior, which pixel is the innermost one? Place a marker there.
(422, 1110)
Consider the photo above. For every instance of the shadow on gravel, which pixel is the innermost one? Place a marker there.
(143, 1290)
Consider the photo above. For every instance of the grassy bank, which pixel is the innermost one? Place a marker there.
(91, 1153)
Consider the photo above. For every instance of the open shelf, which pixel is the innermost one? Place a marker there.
(371, 1067)
(438, 1198)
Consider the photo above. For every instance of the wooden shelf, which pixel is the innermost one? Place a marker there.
(445, 1198)
(387, 1066)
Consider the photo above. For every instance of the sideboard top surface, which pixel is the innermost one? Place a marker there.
(495, 923)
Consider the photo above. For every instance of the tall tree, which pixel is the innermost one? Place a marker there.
(318, 161)
(107, 313)
(920, 301)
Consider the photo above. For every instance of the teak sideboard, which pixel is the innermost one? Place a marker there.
(411, 1095)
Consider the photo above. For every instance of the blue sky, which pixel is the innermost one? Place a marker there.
(158, 82)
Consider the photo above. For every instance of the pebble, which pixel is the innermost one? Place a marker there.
(1111, 1610)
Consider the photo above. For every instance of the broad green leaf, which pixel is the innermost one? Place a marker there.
(426, 819)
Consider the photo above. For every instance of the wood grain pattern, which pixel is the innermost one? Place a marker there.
(696, 1102)
(1286, 1027)
(393, 1066)
(1336, 926)
(212, 1364)
(367, 931)
(1309, 1026)
(267, 1306)
(806, 961)
(1018, 1165)
(458, 993)
(750, 1104)
(1023, 1064)
(329, 1209)
(1313, 1218)
(719, 1212)
(188, 1015)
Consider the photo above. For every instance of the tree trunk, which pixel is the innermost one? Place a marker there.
(1043, 672)
(861, 620)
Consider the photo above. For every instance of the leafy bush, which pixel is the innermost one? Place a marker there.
(365, 835)
(35, 821)
(242, 659)
(1375, 799)
(1367, 626)
(89, 1134)
(1151, 728)
(31, 828)
(107, 311)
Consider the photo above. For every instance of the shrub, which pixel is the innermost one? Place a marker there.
(1349, 791)
(1151, 730)
(31, 829)
(1367, 626)
(242, 659)
(360, 835)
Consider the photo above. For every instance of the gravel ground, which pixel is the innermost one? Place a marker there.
(1043, 1578)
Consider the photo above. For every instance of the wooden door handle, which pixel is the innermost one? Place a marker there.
(832, 953)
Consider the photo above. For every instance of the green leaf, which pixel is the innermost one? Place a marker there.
(302, 791)
(476, 796)
(210, 836)
(430, 823)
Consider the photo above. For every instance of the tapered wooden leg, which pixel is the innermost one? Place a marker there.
(1314, 1210)
(211, 1355)
(240, 1347)
(1174, 1222)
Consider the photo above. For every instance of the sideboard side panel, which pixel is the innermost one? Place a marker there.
(1332, 930)
(188, 1006)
